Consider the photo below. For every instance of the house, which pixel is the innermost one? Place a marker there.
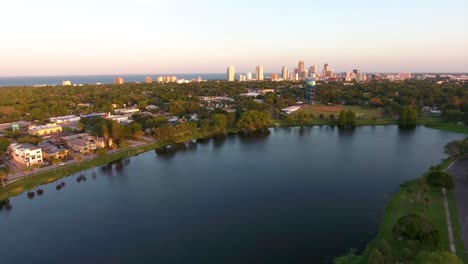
(44, 130)
(93, 115)
(290, 109)
(51, 151)
(124, 111)
(123, 119)
(81, 145)
(25, 153)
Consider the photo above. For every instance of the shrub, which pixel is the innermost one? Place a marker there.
(414, 227)
(440, 178)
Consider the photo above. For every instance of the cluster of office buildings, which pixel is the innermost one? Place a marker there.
(301, 73)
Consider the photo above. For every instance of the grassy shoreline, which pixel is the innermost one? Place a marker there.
(399, 205)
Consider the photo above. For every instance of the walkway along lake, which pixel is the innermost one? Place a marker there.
(288, 196)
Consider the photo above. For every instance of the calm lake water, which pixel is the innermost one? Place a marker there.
(287, 196)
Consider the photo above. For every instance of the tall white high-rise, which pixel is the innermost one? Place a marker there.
(249, 76)
(259, 73)
(230, 73)
(284, 73)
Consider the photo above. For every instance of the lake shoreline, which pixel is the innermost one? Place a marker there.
(21, 185)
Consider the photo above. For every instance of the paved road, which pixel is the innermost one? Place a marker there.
(459, 170)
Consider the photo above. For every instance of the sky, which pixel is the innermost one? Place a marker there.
(74, 37)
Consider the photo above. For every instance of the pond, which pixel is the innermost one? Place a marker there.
(288, 195)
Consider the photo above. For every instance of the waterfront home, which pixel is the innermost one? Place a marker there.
(51, 151)
(44, 130)
(25, 153)
(82, 145)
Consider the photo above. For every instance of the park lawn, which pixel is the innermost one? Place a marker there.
(448, 127)
(317, 109)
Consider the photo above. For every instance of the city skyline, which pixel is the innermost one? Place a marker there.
(123, 37)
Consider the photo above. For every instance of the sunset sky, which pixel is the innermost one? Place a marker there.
(57, 37)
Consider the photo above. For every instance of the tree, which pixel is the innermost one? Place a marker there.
(439, 257)
(204, 124)
(376, 102)
(417, 228)
(219, 122)
(351, 119)
(116, 132)
(408, 117)
(80, 126)
(342, 119)
(456, 148)
(254, 120)
(440, 179)
(376, 257)
(4, 143)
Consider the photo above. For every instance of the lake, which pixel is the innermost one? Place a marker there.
(291, 195)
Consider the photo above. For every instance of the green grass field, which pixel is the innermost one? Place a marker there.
(317, 109)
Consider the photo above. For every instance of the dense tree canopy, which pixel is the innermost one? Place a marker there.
(254, 120)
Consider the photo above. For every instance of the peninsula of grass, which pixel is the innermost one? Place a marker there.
(403, 203)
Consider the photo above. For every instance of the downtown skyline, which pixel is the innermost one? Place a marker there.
(123, 37)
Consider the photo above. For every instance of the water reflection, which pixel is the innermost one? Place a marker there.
(218, 140)
(168, 152)
(254, 136)
(5, 205)
(114, 166)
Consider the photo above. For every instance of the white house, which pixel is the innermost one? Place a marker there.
(124, 111)
(290, 109)
(65, 119)
(26, 154)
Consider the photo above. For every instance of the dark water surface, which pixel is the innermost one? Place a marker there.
(291, 196)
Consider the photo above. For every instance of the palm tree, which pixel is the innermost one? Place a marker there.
(3, 176)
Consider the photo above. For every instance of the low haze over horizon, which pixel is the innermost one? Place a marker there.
(52, 37)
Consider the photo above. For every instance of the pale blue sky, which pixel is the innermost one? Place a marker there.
(60, 37)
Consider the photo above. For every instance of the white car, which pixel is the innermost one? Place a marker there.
(62, 163)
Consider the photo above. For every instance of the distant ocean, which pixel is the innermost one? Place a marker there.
(104, 79)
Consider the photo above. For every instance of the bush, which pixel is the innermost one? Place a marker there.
(414, 227)
(440, 178)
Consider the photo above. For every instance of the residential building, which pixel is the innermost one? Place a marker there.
(274, 77)
(25, 153)
(304, 75)
(44, 130)
(230, 74)
(51, 151)
(124, 111)
(82, 145)
(93, 115)
(65, 119)
(249, 76)
(259, 73)
(404, 76)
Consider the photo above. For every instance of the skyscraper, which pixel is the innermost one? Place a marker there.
(249, 76)
(325, 69)
(148, 80)
(230, 73)
(284, 73)
(259, 73)
(313, 71)
(304, 75)
(300, 67)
